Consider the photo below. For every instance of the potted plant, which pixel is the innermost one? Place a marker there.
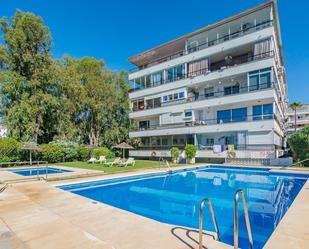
(190, 150)
(175, 154)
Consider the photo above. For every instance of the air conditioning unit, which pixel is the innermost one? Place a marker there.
(281, 70)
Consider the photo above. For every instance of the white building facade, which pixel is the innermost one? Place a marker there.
(222, 88)
(302, 118)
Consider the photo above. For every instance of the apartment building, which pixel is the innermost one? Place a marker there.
(222, 88)
(302, 118)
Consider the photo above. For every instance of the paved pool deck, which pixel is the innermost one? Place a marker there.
(36, 215)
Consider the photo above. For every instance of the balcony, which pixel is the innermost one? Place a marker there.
(157, 103)
(250, 147)
(224, 38)
(228, 62)
(209, 122)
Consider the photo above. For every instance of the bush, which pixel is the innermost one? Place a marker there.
(6, 159)
(299, 144)
(9, 147)
(51, 153)
(70, 150)
(190, 150)
(175, 152)
(84, 153)
(102, 151)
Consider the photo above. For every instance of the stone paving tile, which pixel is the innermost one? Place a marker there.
(49, 217)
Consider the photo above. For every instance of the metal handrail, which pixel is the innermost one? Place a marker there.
(161, 159)
(240, 191)
(305, 160)
(201, 221)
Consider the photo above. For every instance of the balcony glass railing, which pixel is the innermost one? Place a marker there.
(208, 122)
(210, 95)
(208, 44)
(252, 147)
(221, 65)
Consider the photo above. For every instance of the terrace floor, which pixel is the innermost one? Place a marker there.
(37, 215)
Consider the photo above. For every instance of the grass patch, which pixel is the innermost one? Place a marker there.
(139, 164)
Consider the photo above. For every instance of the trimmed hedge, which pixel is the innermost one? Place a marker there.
(190, 150)
(175, 152)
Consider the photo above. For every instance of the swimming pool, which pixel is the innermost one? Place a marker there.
(175, 198)
(40, 171)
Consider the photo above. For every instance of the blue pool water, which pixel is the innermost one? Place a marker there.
(40, 171)
(175, 198)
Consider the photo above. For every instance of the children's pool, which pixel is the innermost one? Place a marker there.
(175, 198)
(40, 171)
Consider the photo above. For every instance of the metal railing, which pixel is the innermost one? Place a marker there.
(246, 213)
(206, 96)
(221, 65)
(305, 160)
(206, 122)
(164, 162)
(23, 163)
(207, 44)
(201, 221)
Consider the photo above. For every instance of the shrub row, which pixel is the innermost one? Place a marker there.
(57, 151)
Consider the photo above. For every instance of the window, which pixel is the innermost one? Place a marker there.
(268, 111)
(181, 95)
(209, 92)
(188, 114)
(175, 73)
(198, 67)
(139, 83)
(156, 78)
(260, 79)
(144, 124)
(239, 114)
(223, 116)
(175, 96)
(257, 112)
(232, 115)
(210, 142)
(262, 112)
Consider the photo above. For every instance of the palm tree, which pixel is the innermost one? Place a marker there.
(294, 106)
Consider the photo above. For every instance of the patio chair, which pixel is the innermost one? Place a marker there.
(117, 161)
(130, 161)
(92, 160)
(102, 159)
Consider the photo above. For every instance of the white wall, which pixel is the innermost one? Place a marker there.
(260, 137)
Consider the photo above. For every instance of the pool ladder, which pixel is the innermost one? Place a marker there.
(238, 193)
(201, 221)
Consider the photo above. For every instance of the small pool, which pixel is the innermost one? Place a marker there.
(40, 171)
(175, 198)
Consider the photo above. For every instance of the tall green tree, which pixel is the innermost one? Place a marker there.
(295, 106)
(28, 88)
(96, 101)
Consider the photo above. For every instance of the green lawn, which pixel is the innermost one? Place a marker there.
(140, 164)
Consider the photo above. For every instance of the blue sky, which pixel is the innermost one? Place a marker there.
(116, 30)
